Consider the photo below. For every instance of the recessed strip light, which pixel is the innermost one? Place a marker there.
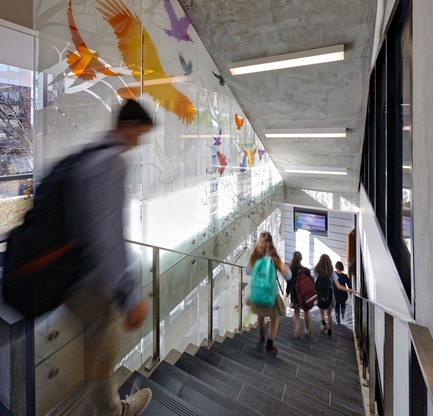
(317, 170)
(306, 133)
(290, 60)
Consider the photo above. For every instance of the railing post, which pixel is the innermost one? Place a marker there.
(240, 299)
(156, 314)
(210, 301)
(372, 361)
(388, 366)
(364, 332)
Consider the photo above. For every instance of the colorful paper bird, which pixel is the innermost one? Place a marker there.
(220, 79)
(217, 139)
(140, 55)
(223, 162)
(261, 153)
(239, 121)
(249, 154)
(85, 63)
(179, 27)
(187, 67)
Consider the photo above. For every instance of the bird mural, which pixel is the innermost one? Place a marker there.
(85, 64)
(239, 121)
(249, 154)
(141, 57)
(220, 79)
(222, 161)
(217, 139)
(261, 153)
(179, 27)
(187, 67)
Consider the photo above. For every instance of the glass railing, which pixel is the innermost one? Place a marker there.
(193, 299)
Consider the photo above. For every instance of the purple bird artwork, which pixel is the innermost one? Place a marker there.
(217, 139)
(261, 153)
(179, 27)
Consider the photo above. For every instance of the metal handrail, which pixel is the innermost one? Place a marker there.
(422, 342)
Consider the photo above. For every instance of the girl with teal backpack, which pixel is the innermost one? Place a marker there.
(264, 298)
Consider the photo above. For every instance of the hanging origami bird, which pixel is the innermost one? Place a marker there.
(220, 79)
(261, 153)
(223, 162)
(217, 139)
(187, 67)
(85, 63)
(140, 55)
(239, 121)
(180, 26)
(249, 154)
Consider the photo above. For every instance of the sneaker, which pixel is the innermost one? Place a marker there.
(323, 327)
(307, 333)
(272, 350)
(329, 332)
(136, 403)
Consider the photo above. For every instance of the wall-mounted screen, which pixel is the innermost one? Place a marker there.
(314, 221)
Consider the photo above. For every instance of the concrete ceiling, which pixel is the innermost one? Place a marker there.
(324, 95)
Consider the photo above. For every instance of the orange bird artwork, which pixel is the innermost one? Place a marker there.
(85, 63)
(239, 121)
(140, 55)
(250, 155)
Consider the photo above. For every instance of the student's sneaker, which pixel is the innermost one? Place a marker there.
(307, 333)
(136, 403)
(323, 326)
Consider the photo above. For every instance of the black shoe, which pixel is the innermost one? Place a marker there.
(329, 332)
(272, 350)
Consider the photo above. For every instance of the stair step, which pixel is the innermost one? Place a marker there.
(283, 363)
(163, 403)
(274, 380)
(195, 392)
(289, 403)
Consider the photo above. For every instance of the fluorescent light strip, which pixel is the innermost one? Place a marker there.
(306, 133)
(290, 60)
(316, 170)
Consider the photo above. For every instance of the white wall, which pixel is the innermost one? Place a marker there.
(340, 224)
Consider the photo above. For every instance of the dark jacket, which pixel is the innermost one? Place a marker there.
(344, 280)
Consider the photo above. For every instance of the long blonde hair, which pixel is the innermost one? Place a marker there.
(324, 266)
(265, 247)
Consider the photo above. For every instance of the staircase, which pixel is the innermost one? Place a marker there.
(311, 376)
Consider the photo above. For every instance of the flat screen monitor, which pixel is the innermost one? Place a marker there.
(314, 221)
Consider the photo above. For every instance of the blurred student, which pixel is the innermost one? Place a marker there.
(104, 299)
(340, 295)
(296, 265)
(265, 247)
(326, 279)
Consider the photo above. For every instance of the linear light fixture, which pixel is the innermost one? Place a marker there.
(306, 133)
(316, 170)
(290, 60)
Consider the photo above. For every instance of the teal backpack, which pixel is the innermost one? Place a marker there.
(263, 282)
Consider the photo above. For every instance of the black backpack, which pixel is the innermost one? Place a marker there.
(42, 258)
(324, 292)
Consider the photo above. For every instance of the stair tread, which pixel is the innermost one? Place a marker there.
(163, 403)
(194, 391)
(249, 391)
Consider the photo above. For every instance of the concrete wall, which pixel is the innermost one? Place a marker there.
(19, 12)
(423, 156)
